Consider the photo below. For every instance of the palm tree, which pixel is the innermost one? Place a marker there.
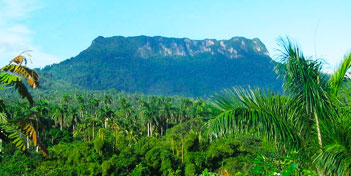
(146, 113)
(82, 106)
(73, 117)
(93, 104)
(287, 120)
(186, 112)
(166, 110)
(60, 115)
(126, 108)
(108, 100)
(106, 114)
(336, 155)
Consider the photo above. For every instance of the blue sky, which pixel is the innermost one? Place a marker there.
(56, 30)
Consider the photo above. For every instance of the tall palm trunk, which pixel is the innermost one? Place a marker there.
(106, 121)
(28, 142)
(319, 140)
(167, 123)
(149, 126)
(37, 147)
(93, 130)
(148, 130)
(61, 123)
(318, 131)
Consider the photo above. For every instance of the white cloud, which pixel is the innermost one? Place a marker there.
(16, 37)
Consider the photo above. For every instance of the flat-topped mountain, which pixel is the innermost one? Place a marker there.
(146, 47)
(168, 66)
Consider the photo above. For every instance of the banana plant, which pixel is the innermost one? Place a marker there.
(15, 75)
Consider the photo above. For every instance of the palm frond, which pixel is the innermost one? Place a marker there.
(336, 156)
(335, 160)
(226, 100)
(307, 89)
(244, 110)
(338, 77)
(301, 76)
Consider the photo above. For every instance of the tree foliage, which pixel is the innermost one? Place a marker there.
(307, 119)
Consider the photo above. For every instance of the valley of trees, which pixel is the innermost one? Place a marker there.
(240, 131)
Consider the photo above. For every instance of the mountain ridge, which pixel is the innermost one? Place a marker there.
(188, 47)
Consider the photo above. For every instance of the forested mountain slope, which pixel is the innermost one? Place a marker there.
(166, 66)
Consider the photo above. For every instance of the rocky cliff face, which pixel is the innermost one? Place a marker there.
(146, 47)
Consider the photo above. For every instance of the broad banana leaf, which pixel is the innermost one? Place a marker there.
(26, 73)
(13, 80)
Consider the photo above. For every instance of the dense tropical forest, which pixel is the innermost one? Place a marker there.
(241, 131)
